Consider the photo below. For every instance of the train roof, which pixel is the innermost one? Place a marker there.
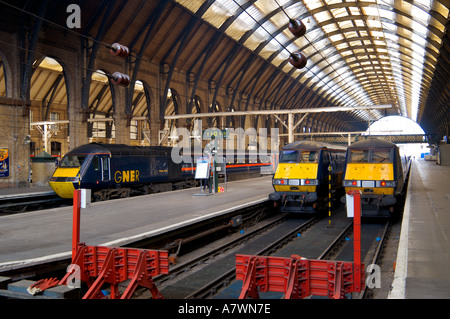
(120, 149)
(305, 144)
(372, 143)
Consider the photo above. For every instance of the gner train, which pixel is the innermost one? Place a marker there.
(301, 180)
(117, 170)
(374, 167)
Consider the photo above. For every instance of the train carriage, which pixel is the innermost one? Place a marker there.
(307, 174)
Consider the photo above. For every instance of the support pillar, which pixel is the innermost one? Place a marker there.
(120, 117)
(291, 127)
(77, 126)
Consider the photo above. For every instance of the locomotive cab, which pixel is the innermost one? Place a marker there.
(296, 174)
(301, 178)
(82, 164)
(375, 169)
(66, 177)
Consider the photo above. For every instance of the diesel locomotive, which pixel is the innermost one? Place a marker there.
(376, 169)
(117, 170)
(308, 175)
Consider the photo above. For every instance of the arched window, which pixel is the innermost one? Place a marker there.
(214, 121)
(172, 106)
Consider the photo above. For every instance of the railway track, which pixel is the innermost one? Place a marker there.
(14, 204)
(208, 271)
(185, 239)
(265, 235)
(212, 274)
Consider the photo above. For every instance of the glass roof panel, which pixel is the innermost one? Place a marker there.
(216, 14)
(322, 16)
(50, 64)
(360, 52)
(192, 5)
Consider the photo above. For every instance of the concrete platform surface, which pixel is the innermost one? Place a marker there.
(423, 260)
(30, 238)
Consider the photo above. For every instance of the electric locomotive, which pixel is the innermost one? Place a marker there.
(375, 168)
(308, 176)
(117, 170)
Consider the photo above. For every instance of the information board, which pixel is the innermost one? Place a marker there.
(202, 169)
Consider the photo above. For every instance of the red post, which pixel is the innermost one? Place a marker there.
(357, 238)
(76, 221)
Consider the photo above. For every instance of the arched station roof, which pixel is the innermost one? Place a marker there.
(358, 52)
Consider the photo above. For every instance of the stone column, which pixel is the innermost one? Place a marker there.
(120, 121)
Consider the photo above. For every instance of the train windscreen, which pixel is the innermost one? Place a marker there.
(370, 156)
(381, 156)
(291, 156)
(72, 161)
(359, 156)
(309, 157)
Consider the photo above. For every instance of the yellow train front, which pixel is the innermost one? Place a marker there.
(308, 176)
(374, 167)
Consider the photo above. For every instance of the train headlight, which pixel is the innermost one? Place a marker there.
(349, 183)
(310, 182)
(386, 184)
(72, 179)
(391, 184)
(280, 182)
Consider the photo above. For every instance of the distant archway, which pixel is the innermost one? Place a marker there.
(395, 125)
(49, 102)
(101, 109)
(141, 106)
(400, 125)
(2, 78)
(214, 121)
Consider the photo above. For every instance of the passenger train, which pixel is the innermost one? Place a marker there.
(376, 169)
(307, 174)
(117, 170)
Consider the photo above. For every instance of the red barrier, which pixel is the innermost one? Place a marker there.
(99, 265)
(356, 194)
(296, 277)
(299, 278)
(76, 221)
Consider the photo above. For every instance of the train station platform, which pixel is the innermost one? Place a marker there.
(25, 192)
(423, 259)
(42, 236)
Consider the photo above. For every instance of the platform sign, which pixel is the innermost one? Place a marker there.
(351, 205)
(209, 133)
(85, 198)
(202, 169)
(4, 162)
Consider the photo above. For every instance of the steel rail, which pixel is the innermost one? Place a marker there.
(182, 268)
(336, 243)
(225, 278)
(365, 292)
